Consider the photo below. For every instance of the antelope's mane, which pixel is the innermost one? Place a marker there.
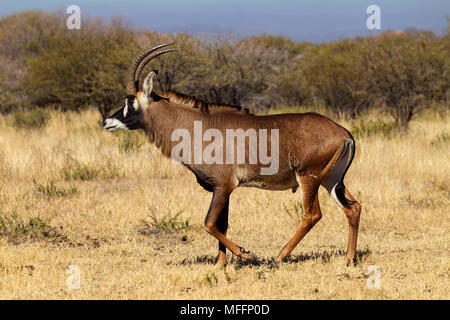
(203, 106)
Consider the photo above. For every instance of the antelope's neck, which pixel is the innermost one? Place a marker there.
(162, 119)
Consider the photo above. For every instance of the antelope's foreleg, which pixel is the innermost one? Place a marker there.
(222, 225)
(215, 214)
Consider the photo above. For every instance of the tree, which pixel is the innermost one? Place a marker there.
(85, 68)
(22, 35)
(338, 78)
(406, 72)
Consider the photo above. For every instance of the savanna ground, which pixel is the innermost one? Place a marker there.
(131, 220)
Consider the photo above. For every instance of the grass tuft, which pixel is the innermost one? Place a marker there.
(168, 223)
(85, 171)
(50, 190)
(18, 230)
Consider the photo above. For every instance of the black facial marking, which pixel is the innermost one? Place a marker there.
(133, 119)
(130, 101)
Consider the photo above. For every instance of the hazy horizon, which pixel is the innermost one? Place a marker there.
(307, 20)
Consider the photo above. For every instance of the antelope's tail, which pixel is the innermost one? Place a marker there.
(339, 189)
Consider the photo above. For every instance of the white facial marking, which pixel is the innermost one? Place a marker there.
(114, 125)
(135, 105)
(125, 110)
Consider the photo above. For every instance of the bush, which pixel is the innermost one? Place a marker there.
(32, 119)
(50, 190)
(168, 223)
(18, 230)
(373, 128)
(85, 172)
(80, 171)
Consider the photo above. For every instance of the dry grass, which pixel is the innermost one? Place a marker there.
(132, 221)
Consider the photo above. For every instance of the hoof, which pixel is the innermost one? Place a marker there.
(279, 260)
(247, 255)
(220, 262)
(351, 262)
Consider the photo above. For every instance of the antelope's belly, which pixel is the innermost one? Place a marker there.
(280, 181)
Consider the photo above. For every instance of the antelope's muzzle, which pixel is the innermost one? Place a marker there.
(112, 124)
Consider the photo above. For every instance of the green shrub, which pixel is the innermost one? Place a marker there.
(18, 230)
(84, 171)
(50, 190)
(80, 171)
(31, 119)
(169, 222)
(373, 128)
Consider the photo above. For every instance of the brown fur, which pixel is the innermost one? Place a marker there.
(310, 146)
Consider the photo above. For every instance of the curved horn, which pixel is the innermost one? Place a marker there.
(132, 84)
(146, 60)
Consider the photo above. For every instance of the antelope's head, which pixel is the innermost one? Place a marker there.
(131, 115)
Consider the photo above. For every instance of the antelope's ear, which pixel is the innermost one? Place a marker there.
(148, 83)
(145, 96)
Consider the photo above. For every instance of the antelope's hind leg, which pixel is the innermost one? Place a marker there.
(309, 188)
(334, 183)
(353, 213)
(352, 210)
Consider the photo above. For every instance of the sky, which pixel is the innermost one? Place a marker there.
(301, 20)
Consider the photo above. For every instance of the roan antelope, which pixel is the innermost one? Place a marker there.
(313, 151)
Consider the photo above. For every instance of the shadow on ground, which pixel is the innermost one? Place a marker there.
(323, 256)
